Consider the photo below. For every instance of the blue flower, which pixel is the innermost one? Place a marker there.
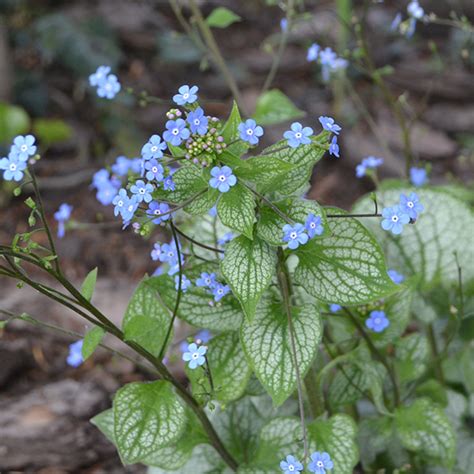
(106, 193)
(415, 12)
(198, 121)
(334, 147)
(418, 176)
(136, 165)
(62, 215)
(12, 167)
(411, 205)
(186, 95)
(195, 355)
(124, 205)
(320, 462)
(154, 170)
(121, 166)
(176, 132)
(168, 184)
(153, 148)
(108, 87)
(294, 235)
(250, 132)
(284, 24)
(222, 178)
(313, 52)
(185, 283)
(213, 211)
(334, 308)
(203, 335)
(142, 191)
(291, 465)
(377, 321)
(156, 252)
(206, 280)
(313, 225)
(328, 60)
(99, 75)
(396, 22)
(100, 178)
(371, 162)
(394, 219)
(156, 209)
(227, 237)
(169, 254)
(24, 146)
(329, 124)
(395, 276)
(74, 359)
(219, 291)
(298, 135)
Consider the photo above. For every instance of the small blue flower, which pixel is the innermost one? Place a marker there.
(291, 465)
(371, 162)
(142, 191)
(250, 132)
(99, 75)
(168, 184)
(328, 60)
(121, 166)
(313, 52)
(334, 308)
(154, 170)
(176, 132)
(169, 254)
(187, 95)
(418, 176)
(12, 167)
(329, 124)
(206, 280)
(124, 205)
(154, 148)
(313, 225)
(213, 211)
(394, 219)
(100, 178)
(219, 291)
(396, 22)
(411, 205)
(74, 359)
(295, 235)
(222, 178)
(415, 10)
(185, 283)
(298, 135)
(108, 87)
(203, 336)
(156, 209)
(396, 277)
(195, 355)
(24, 146)
(198, 121)
(377, 321)
(156, 252)
(227, 237)
(320, 462)
(334, 147)
(62, 215)
(136, 165)
(106, 193)
(284, 24)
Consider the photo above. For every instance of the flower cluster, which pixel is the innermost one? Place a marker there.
(108, 85)
(369, 163)
(299, 234)
(327, 58)
(395, 217)
(407, 27)
(215, 288)
(21, 150)
(62, 215)
(320, 463)
(167, 253)
(329, 124)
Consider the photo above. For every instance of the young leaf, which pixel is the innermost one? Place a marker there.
(248, 266)
(336, 436)
(147, 416)
(230, 133)
(236, 209)
(222, 17)
(267, 345)
(88, 286)
(274, 107)
(91, 340)
(424, 428)
(346, 268)
(146, 319)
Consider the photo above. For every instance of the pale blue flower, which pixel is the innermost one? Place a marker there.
(291, 465)
(62, 215)
(320, 463)
(313, 225)
(295, 235)
(99, 75)
(222, 178)
(329, 124)
(418, 176)
(195, 355)
(186, 95)
(176, 132)
(394, 219)
(250, 131)
(142, 191)
(313, 52)
(198, 122)
(75, 359)
(395, 276)
(12, 167)
(154, 148)
(377, 321)
(108, 87)
(411, 205)
(298, 135)
(24, 146)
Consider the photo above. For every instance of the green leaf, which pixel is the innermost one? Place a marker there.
(147, 319)
(147, 416)
(222, 17)
(236, 209)
(424, 428)
(91, 340)
(428, 248)
(336, 436)
(274, 107)
(197, 306)
(270, 224)
(105, 422)
(267, 345)
(50, 131)
(412, 355)
(88, 285)
(346, 268)
(13, 121)
(201, 204)
(230, 133)
(229, 369)
(248, 266)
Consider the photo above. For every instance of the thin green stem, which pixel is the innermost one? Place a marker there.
(438, 367)
(195, 242)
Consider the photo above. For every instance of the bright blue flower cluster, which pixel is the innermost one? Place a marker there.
(329, 124)
(371, 162)
(377, 321)
(195, 355)
(62, 215)
(167, 253)
(319, 464)
(74, 358)
(21, 150)
(108, 85)
(185, 283)
(299, 234)
(395, 217)
(217, 289)
(327, 58)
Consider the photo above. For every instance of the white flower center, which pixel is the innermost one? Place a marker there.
(120, 204)
(208, 281)
(197, 121)
(155, 169)
(410, 204)
(222, 178)
(249, 131)
(186, 95)
(175, 131)
(220, 291)
(312, 225)
(24, 147)
(291, 468)
(377, 321)
(170, 254)
(157, 212)
(12, 167)
(394, 218)
(195, 355)
(154, 148)
(293, 235)
(320, 464)
(141, 190)
(298, 135)
(130, 208)
(108, 86)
